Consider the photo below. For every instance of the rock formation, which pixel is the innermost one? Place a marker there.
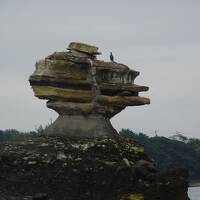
(62, 168)
(85, 92)
(81, 156)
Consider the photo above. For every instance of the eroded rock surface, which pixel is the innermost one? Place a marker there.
(76, 84)
(104, 168)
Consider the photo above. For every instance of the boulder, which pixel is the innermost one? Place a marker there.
(85, 48)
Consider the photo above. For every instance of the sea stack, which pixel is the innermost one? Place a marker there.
(81, 156)
(85, 91)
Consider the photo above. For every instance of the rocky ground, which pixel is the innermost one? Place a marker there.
(59, 168)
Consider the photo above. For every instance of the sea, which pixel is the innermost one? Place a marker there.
(194, 193)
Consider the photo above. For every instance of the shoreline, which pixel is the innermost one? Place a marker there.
(194, 183)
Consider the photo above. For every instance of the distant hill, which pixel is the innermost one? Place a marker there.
(173, 152)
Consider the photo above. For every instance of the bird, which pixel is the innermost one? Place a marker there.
(111, 57)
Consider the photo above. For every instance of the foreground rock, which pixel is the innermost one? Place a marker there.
(59, 168)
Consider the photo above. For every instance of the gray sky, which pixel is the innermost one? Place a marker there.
(161, 39)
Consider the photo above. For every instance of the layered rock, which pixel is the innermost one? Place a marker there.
(85, 91)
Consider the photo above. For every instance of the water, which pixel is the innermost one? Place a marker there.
(194, 193)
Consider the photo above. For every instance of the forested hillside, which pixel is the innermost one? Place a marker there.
(170, 153)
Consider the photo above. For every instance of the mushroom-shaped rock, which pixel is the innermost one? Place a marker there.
(85, 92)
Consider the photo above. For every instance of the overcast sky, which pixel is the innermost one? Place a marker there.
(161, 39)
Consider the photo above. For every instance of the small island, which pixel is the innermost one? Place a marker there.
(85, 91)
(81, 155)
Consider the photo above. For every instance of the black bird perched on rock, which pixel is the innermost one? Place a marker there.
(111, 57)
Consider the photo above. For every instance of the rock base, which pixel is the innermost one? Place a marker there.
(59, 168)
(88, 126)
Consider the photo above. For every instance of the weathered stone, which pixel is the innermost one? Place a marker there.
(83, 48)
(136, 197)
(122, 87)
(123, 100)
(32, 162)
(81, 126)
(61, 156)
(40, 196)
(64, 69)
(85, 109)
(75, 84)
(53, 93)
(86, 169)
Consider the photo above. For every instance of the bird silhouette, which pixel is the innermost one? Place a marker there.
(111, 57)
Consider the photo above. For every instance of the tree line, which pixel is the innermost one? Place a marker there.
(168, 153)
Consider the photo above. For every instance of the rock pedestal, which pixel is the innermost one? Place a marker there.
(81, 156)
(85, 92)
